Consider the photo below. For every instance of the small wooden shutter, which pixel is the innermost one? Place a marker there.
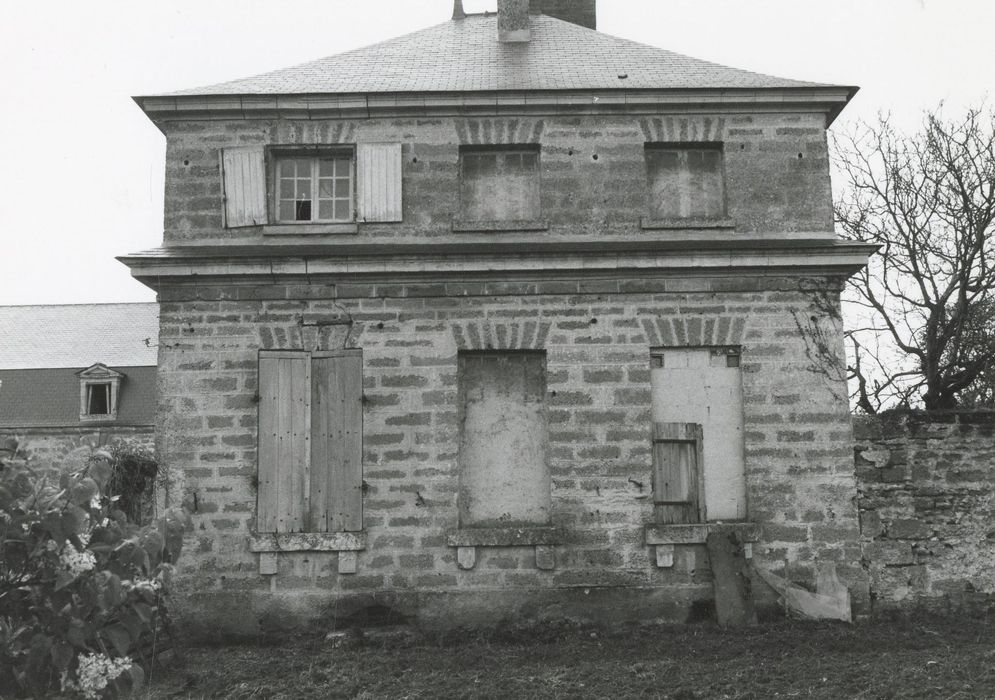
(284, 440)
(337, 441)
(243, 175)
(677, 467)
(378, 175)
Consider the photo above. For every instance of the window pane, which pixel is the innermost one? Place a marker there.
(341, 188)
(325, 188)
(302, 210)
(287, 189)
(342, 167)
(98, 399)
(341, 210)
(326, 168)
(287, 210)
(286, 168)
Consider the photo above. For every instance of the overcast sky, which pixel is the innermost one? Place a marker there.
(81, 168)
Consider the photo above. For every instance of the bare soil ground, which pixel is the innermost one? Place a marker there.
(925, 657)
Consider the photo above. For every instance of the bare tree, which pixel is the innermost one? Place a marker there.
(925, 305)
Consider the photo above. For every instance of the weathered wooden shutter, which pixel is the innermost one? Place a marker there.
(337, 441)
(378, 175)
(243, 175)
(677, 464)
(284, 440)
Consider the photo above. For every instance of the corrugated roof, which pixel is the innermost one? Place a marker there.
(464, 55)
(78, 335)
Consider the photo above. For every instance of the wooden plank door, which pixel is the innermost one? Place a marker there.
(677, 484)
(337, 441)
(284, 441)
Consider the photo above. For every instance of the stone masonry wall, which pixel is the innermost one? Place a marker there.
(49, 446)
(593, 171)
(927, 507)
(597, 335)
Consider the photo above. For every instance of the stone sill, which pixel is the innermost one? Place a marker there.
(499, 226)
(504, 536)
(683, 224)
(308, 542)
(697, 533)
(309, 229)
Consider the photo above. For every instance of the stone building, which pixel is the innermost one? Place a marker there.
(75, 374)
(498, 320)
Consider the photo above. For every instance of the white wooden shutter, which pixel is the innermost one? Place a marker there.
(284, 441)
(378, 175)
(243, 174)
(337, 441)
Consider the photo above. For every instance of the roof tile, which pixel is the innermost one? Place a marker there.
(464, 55)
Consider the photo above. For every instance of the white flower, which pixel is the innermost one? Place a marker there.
(94, 672)
(75, 561)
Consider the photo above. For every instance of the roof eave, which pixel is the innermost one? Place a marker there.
(828, 99)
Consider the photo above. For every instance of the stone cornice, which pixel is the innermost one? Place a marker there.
(547, 260)
(829, 100)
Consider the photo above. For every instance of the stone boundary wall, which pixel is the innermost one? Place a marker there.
(926, 495)
(50, 446)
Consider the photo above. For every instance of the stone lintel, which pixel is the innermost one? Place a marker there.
(504, 536)
(697, 533)
(308, 542)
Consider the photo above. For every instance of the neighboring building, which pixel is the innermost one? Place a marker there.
(497, 320)
(80, 373)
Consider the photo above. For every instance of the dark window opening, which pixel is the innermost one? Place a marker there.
(98, 399)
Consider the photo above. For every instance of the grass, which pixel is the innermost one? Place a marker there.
(900, 658)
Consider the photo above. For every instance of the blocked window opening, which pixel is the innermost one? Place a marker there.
(685, 181)
(697, 406)
(503, 467)
(499, 183)
(310, 468)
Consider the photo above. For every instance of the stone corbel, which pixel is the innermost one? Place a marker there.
(665, 538)
(542, 539)
(269, 545)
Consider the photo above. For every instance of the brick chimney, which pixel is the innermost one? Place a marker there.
(582, 12)
(513, 21)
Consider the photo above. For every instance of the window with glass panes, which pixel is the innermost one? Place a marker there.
(314, 188)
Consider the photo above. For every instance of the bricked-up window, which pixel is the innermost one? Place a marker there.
(310, 461)
(697, 408)
(99, 391)
(290, 186)
(685, 181)
(499, 183)
(503, 468)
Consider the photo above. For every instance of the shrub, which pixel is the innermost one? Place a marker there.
(81, 587)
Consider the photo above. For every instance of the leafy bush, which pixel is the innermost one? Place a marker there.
(134, 471)
(81, 588)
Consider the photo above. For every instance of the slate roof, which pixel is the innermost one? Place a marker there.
(49, 398)
(464, 55)
(78, 335)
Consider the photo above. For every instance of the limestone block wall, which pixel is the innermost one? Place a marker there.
(49, 446)
(592, 171)
(926, 507)
(597, 336)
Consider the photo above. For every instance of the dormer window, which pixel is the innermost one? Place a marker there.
(99, 389)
